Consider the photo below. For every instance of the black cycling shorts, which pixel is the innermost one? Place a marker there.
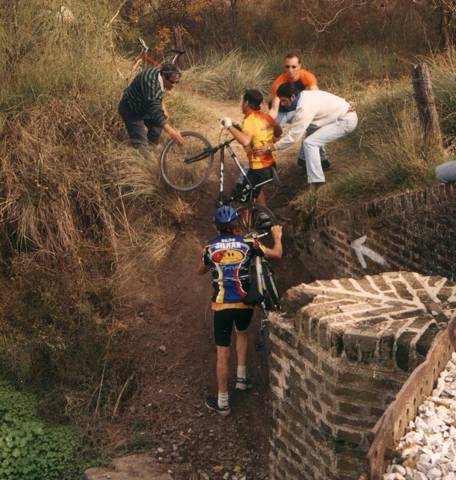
(223, 323)
(256, 176)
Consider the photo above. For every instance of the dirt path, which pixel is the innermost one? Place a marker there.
(173, 350)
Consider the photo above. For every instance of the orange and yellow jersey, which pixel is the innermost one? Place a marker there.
(304, 81)
(229, 257)
(260, 126)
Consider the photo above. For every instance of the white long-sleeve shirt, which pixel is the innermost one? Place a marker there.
(314, 107)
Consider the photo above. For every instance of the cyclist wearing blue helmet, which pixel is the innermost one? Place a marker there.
(228, 257)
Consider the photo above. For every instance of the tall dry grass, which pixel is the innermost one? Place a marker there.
(70, 196)
(227, 75)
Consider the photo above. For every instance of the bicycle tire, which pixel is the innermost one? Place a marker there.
(253, 219)
(183, 176)
(272, 297)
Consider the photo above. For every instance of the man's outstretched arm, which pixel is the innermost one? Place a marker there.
(202, 268)
(274, 110)
(276, 251)
(244, 138)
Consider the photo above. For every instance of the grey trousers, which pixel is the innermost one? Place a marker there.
(287, 117)
(142, 130)
(446, 172)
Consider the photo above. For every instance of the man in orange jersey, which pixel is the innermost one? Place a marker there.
(303, 80)
(258, 131)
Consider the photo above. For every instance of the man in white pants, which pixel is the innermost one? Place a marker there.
(331, 115)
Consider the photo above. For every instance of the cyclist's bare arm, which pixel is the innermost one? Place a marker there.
(243, 138)
(165, 111)
(174, 134)
(276, 251)
(202, 268)
(274, 110)
(277, 131)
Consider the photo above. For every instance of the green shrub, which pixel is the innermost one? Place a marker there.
(31, 449)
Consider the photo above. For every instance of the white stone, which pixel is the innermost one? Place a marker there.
(421, 425)
(393, 476)
(414, 438)
(410, 452)
(418, 475)
(398, 469)
(428, 448)
(424, 464)
(434, 474)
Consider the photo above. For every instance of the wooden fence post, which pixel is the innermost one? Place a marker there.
(425, 102)
(179, 45)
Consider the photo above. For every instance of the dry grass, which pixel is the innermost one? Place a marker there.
(227, 76)
(71, 198)
(386, 153)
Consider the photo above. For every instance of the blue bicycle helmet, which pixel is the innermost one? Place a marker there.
(225, 216)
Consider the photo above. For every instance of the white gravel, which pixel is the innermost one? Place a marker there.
(428, 449)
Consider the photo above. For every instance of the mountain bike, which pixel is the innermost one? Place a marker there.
(187, 167)
(263, 275)
(147, 59)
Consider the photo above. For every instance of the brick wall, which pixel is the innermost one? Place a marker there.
(339, 354)
(414, 231)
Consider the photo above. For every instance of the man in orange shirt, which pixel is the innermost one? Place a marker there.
(258, 131)
(303, 80)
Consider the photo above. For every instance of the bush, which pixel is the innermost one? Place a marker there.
(62, 212)
(31, 449)
(443, 71)
(227, 76)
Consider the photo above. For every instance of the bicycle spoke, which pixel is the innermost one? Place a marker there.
(185, 167)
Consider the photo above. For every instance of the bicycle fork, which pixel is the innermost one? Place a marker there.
(261, 288)
(222, 170)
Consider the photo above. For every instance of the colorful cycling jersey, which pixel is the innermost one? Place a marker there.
(260, 126)
(229, 257)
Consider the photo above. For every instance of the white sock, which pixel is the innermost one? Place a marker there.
(222, 399)
(242, 371)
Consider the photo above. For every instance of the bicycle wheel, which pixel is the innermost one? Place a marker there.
(271, 294)
(186, 167)
(256, 219)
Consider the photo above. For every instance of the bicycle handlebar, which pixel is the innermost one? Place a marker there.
(207, 151)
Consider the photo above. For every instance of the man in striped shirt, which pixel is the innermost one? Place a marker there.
(141, 106)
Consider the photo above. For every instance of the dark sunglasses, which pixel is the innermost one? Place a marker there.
(291, 66)
(172, 82)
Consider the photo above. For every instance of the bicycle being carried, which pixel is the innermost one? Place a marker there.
(147, 59)
(187, 167)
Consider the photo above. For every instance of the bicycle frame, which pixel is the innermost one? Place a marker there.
(259, 273)
(148, 58)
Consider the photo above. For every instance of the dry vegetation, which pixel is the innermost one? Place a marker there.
(79, 210)
(74, 204)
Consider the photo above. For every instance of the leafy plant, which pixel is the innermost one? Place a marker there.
(31, 449)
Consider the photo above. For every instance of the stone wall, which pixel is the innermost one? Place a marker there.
(339, 355)
(414, 231)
